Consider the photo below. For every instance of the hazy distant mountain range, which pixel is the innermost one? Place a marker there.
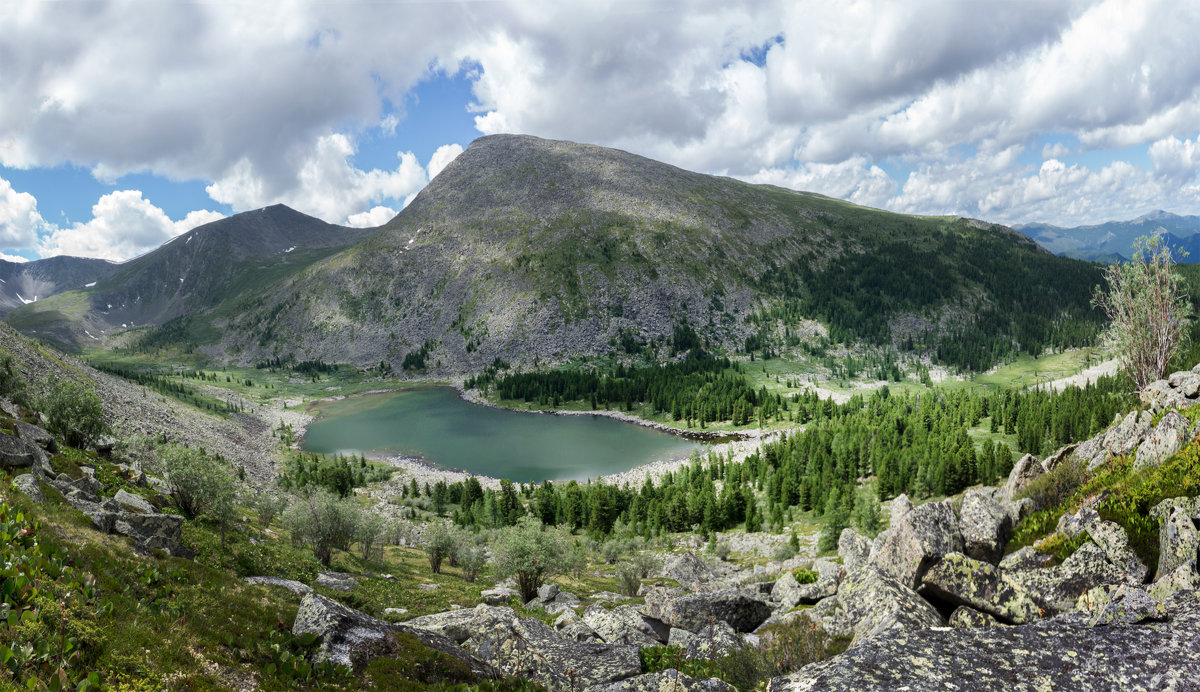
(1113, 240)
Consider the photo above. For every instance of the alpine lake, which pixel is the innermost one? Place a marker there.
(435, 425)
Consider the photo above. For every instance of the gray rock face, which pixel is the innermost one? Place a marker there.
(1184, 579)
(1125, 437)
(689, 570)
(622, 625)
(28, 483)
(1186, 382)
(1061, 654)
(290, 584)
(1124, 605)
(580, 632)
(854, 549)
(134, 503)
(878, 604)
(985, 526)
(969, 617)
(712, 642)
(529, 648)
(498, 596)
(1024, 558)
(1190, 506)
(455, 625)
(1178, 542)
(963, 581)
(35, 435)
(899, 506)
(1113, 540)
(831, 616)
(786, 591)
(694, 611)
(1058, 457)
(1160, 395)
(352, 638)
(921, 537)
(790, 593)
(1025, 471)
(669, 680)
(1093, 453)
(678, 637)
(1057, 589)
(1168, 437)
(16, 453)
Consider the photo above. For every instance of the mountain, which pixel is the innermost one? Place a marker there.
(527, 248)
(26, 282)
(191, 273)
(1113, 240)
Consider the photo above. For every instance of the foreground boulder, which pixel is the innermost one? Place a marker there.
(693, 612)
(713, 642)
(28, 483)
(352, 638)
(1025, 471)
(1178, 542)
(689, 569)
(854, 549)
(624, 625)
(1113, 540)
(985, 525)
(878, 604)
(962, 581)
(531, 649)
(918, 540)
(1167, 438)
(1057, 589)
(669, 680)
(1059, 654)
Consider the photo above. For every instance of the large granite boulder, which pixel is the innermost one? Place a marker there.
(456, 625)
(963, 581)
(1092, 453)
(498, 596)
(352, 638)
(1113, 540)
(528, 648)
(1178, 542)
(985, 525)
(854, 549)
(1057, 589)
(624, 625)
(918, 540)
(689, 569)
(1185, 382)
(1121, 605)
(669, 680)
(789, 593)
(964, 616)
(298, 588)
(1025, 471)
(338, 581)
(1125, 437)
(899, 506)
(831, 617)
(1190, 506)
(1060, 654)
(878, 604)
(17, 453)
(28, 484)
(712, 642)
(1185, 579)
(740, 610)
(134, 503)
(1167, 438)
(1160, 395)
(35, 435)
(1025, 558)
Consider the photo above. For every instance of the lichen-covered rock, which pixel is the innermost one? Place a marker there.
(547, 592)
(984, 524)
(298, 588)
(1167, 438)
(1184, 579)
(1025, 471)
(669, 680)
(1057, 589)
(878, 604)
(1093, 453)
(622, 625)
(456, 625)
(1186, 382)
(679, 637)
(1190, 506)
(786, 591)
(712, 642)
(352, 638)
(17, 453)
(689, 569)
(1058, 457)
(1160, 395)
(1123, 439)
(739, 609)
(964, 616)
(498, 596)
(28, 483)
(854, 549)
(1025, 558)
(790, 593)
(565, 618)
(579, 631)
(35, 435)
(528, 648)
(899, 506)
(1178, 542)
(134, 503)
(1124, 605)
(920, 538)
(1060, 654)
(963, 581)
(831, 616)
(1113, 540)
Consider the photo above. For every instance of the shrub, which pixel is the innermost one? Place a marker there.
(268, 505)
(720, 549)
(12, 385)
(471, 558)
(439, 544)
(324, 521)
(1057, 485)
(532, 553)
(73, 412)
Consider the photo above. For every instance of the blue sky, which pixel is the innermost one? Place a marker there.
(126, 122)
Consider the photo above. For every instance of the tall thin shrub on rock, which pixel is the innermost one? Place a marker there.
(1147, 303)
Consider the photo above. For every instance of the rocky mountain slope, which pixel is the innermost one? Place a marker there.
(527, 248)
(25, 282)
(218, 263)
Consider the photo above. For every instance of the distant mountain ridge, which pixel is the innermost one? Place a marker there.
(1113, 240)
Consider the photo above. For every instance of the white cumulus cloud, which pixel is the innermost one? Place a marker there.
(123, 225)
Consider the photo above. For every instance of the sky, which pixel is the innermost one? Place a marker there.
(126, 122)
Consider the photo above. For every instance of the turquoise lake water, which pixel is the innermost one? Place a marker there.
(433, 423)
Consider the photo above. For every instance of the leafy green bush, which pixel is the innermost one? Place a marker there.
(805, 576)
(1055, 486)
(439, 544)
(73, 412)
(323, 521)
(532, 553)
